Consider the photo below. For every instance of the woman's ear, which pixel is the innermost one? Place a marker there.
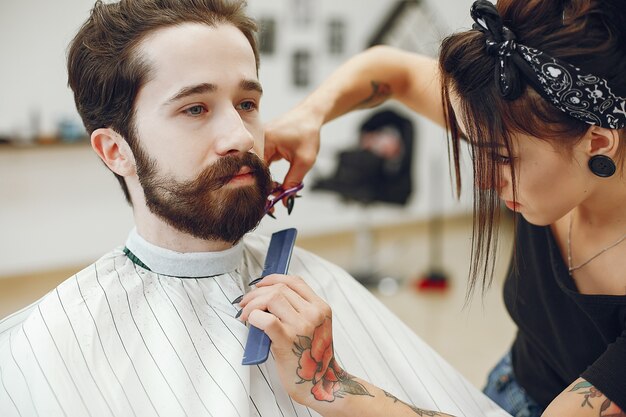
(601, 145)
(601, 141)
(114, 151)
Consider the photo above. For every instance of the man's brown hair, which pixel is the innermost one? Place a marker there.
(105, 71)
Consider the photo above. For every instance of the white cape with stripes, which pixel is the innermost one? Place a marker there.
(119, 340)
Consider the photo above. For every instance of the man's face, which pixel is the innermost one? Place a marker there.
(198, 131)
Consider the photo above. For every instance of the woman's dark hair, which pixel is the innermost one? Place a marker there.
(589, 34)
(105, 71)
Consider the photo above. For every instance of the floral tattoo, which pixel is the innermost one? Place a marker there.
(317, 365)
(607, 408)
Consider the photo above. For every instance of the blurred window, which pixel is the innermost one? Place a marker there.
(336, 36)
(302, 12)
(267, 35)
(301, 68)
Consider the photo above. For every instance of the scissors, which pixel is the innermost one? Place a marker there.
(289, 193)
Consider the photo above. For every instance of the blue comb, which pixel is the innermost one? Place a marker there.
(276, 262)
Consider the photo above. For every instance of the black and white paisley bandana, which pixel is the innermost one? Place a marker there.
(584, 96)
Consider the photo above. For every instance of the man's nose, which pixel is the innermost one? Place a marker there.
(233, 136)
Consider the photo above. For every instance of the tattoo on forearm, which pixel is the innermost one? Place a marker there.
(380, 93)
(317, 365)
(419, 411)
(589, 392)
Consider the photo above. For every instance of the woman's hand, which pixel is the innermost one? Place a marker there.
(295, 136)
(299, 323)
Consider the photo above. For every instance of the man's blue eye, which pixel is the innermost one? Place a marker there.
(195, 110)
(248, 105)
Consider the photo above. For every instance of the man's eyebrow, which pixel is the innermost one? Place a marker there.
(191, 90)
(247, 85)
(251, 85)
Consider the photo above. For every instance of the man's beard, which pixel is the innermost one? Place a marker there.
(203, 207)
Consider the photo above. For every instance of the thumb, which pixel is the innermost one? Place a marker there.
(270, 324)
(296, 173)
(269, 153)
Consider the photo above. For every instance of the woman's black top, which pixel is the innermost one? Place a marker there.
(562, 334)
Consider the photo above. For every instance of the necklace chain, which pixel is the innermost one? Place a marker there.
(569, 248)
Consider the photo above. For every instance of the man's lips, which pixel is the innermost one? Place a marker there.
(244, 171)
(243, 174)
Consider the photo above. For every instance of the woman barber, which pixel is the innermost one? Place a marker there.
(547, 136)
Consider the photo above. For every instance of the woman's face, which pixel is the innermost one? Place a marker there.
(550, 181)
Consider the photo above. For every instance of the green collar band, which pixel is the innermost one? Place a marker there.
(135, 259)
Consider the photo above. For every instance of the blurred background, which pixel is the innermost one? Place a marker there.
(379, 202)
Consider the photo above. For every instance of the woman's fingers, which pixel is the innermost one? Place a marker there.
(290, 299)
(315, 309)
(294, 137)
(282, 304)
(295, 283)
(272, 326)
(300, 165)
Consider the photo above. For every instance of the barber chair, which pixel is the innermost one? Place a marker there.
(377, 170)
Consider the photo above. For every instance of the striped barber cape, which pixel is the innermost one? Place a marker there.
(118, 339)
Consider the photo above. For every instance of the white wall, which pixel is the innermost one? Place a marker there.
(34, 35)
(60, 207)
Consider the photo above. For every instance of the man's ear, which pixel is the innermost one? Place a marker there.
(601, 141)
(114, 151)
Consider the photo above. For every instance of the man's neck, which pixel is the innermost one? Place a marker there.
(173, 263)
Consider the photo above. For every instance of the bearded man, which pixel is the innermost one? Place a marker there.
(169, 92)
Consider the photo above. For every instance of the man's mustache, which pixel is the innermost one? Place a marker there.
(224, 169)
